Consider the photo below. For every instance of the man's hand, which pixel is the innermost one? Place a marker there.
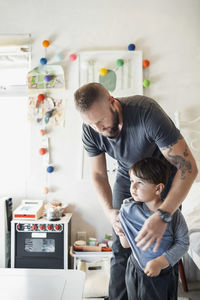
(113, 217)
(154, 266)
(152, 231)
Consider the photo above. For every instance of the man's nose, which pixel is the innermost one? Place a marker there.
(99, 127)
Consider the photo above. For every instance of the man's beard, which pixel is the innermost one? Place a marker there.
(113, 131)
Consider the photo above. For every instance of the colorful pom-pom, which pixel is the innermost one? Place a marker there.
(41, 97)
(43, 61)
(47, 78)
(50, 169)
(72, 57)
(45, 44)
(42, 132)
(131, 47)
(103, 71)
(120, 62)
(145, 63)
(46, 190)
(146, 83)
(43, 151)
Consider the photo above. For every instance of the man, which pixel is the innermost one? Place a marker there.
(129, 129)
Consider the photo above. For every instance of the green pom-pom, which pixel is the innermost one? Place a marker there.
(120, 62)
(146, 83)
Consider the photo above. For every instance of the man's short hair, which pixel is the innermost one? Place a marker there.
(89, 93)
(151, 169)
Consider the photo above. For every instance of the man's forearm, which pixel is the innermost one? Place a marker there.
(181, 157)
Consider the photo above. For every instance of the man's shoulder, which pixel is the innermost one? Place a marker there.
(136, 100)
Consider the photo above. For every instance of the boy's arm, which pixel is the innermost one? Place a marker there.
(173, 254)
(181, 239)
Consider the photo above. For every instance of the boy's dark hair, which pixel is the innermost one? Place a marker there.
(86, 95)
(151, 169)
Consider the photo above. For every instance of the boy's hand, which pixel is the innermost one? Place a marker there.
(113, 217)
(154, 266)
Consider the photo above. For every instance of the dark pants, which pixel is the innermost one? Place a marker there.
(142, 287)
(117, 286)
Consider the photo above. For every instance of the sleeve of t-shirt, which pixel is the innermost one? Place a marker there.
(181, 239)
(158, 126)
(90, 142)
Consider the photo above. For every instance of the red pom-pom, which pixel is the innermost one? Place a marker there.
(145, 63)
(42, 151)
(41, 97)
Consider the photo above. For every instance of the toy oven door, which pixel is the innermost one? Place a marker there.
(39, 250)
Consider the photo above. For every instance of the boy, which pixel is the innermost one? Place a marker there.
(151, 275)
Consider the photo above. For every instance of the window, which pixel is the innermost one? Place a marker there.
(14, 66)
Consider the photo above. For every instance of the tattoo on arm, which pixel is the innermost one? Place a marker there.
(179, 161)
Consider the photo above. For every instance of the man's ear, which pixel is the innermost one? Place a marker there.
(159, 188)
(112, 100)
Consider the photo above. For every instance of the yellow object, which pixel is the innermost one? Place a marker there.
(103, 71)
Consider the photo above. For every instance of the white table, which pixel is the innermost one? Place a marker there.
(41, 284)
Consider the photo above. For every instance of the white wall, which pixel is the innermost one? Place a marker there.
(168, 34)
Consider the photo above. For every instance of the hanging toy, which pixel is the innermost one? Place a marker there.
(120, 62)
(46, 190)
(131, 47)
(43, 61)
(47, 78)
(145, 63)
(42, 132)
(146, 83)
(45, 43)
(41, 97)
(103, 71)
(72, 57)
(42, 151)
(50, 169)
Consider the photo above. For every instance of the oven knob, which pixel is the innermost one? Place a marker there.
(57, 227)
(42, 227)
(34, 227)
(19, 226)
(49, 227)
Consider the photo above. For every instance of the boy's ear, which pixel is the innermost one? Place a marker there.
(159, 188)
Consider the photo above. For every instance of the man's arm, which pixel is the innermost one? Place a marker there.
(180, 156)
(103, 189)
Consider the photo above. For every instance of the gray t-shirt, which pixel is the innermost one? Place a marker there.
(146, 128)
(175, 240)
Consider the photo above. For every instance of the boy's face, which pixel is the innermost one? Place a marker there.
(141, 190)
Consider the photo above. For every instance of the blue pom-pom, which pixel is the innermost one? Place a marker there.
(43, 61)
(131, 47)
(50, 169)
